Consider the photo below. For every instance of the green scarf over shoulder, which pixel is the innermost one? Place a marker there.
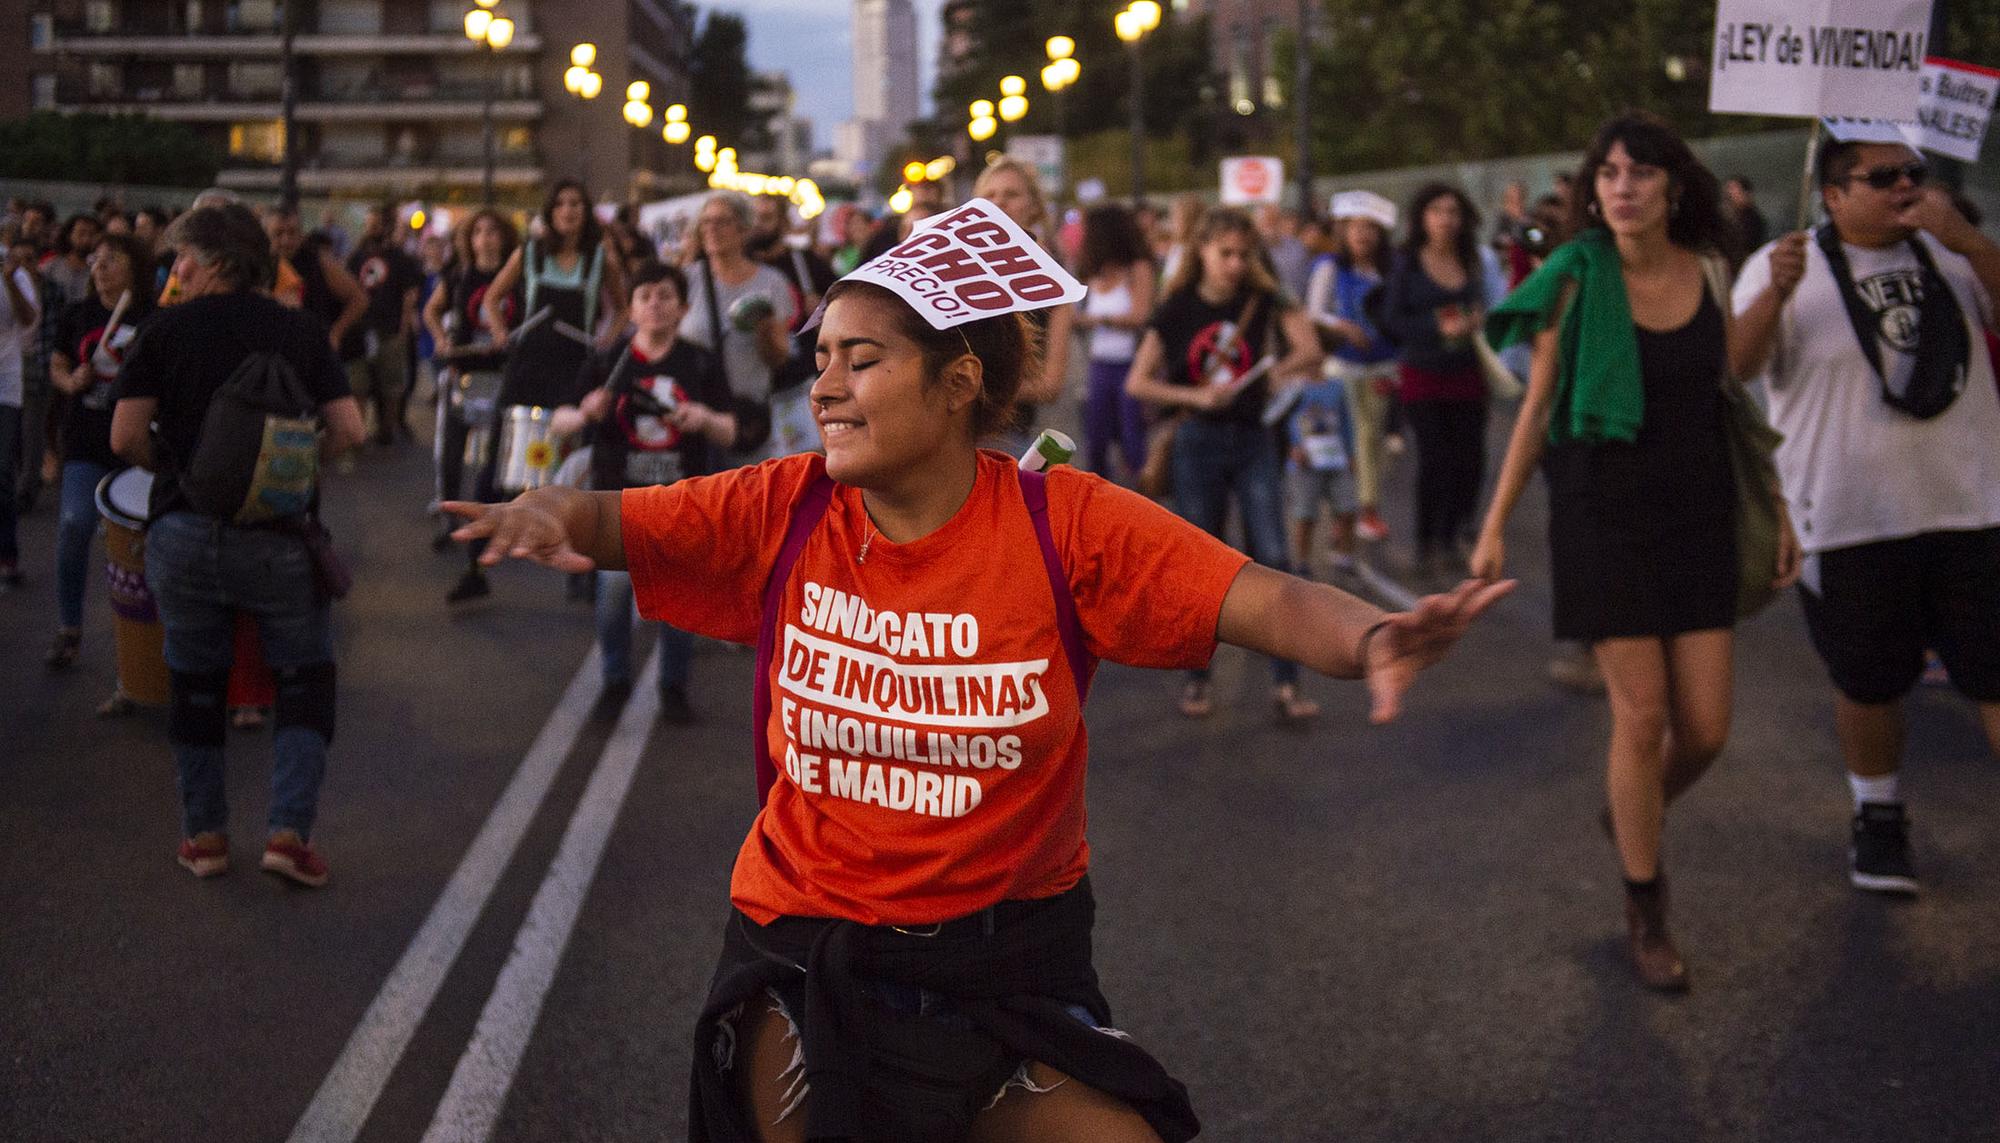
(1599, 396)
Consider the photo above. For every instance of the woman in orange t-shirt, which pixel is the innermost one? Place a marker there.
(919, 868)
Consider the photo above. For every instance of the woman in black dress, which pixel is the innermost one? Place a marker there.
(571, 270)
(1641, 518)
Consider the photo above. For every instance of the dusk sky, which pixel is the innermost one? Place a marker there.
(813, 42)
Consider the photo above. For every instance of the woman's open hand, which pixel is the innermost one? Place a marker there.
(1407, 642)
(521, 529)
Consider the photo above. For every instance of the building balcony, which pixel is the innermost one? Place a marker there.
(235, 45)
(431, 103)
(393, 176)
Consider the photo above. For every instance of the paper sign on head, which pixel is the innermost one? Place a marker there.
(969, 263)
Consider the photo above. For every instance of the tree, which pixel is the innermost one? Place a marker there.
(1399, 85)
(721, 84)
(1009, 37)
(89, 147)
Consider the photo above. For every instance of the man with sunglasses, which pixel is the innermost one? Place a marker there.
(1869, 332)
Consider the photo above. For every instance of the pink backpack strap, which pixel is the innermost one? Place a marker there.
(1082, 665)
(806, 515)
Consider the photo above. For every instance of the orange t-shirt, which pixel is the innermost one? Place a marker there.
(924, 718)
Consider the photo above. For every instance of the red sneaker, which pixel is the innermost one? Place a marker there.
(288, 856)
(204, 854)
(1371, 527)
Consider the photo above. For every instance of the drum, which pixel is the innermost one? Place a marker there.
(475, 398)
(123, 500)
(528, 453)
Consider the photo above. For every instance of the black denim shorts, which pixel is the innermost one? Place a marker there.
(1879, 606)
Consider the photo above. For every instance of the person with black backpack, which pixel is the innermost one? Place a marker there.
(223, 397)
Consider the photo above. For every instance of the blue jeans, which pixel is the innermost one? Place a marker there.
(614, 636)
(1213, 459)
(10, 463)
(76, 526)
(202, 573)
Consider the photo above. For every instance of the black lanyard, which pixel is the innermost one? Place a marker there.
(1942, 347)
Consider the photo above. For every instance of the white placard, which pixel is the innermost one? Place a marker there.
(971, 263)
(1045, 154)
(1956, 105)
(1812, 58)
(1248, 179)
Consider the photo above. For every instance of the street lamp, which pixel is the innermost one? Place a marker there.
(676, 130)
(1013, 98)
(1132, 25)
(638, 112)
(493, 32)
(983, 124)
(585, 84)
(1061, 71)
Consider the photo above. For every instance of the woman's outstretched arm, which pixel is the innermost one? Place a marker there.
(565, 528)
(1340, 635)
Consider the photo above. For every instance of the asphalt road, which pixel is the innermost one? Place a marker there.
(1403, 933)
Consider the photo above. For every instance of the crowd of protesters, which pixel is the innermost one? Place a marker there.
(1272, 365)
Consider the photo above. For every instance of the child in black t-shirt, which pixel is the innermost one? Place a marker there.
(662, 411)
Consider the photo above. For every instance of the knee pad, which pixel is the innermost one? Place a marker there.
(306, 698)
(199, 712)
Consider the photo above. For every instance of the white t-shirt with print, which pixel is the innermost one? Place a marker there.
(1856, 469)
(749, 377)
(14, 337)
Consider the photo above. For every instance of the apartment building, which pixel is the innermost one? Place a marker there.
(391, 97)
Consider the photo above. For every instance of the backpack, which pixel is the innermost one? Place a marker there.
(257, 458)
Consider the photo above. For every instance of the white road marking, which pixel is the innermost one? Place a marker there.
(471, 1105)
(347, 1095)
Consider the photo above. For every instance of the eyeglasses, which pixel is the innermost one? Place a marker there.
(1883, 178)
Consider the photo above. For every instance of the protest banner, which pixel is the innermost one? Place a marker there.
(1840, 58)
(1248, 179)
(1856, 58)
(1955, 105)
(971, 263)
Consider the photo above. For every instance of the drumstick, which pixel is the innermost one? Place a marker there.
(619, 366)
(540, 316)
(100, 357)
(117, 311)
(571, 332)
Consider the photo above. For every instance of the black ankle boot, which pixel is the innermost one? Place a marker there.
(1654, 956)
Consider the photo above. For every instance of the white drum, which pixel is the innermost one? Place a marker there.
(475, 399)
(529, 456)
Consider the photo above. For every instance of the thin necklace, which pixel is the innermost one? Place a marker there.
(862, 558)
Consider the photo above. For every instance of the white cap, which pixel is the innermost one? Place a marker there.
(1364, 204)
(1870, 131)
